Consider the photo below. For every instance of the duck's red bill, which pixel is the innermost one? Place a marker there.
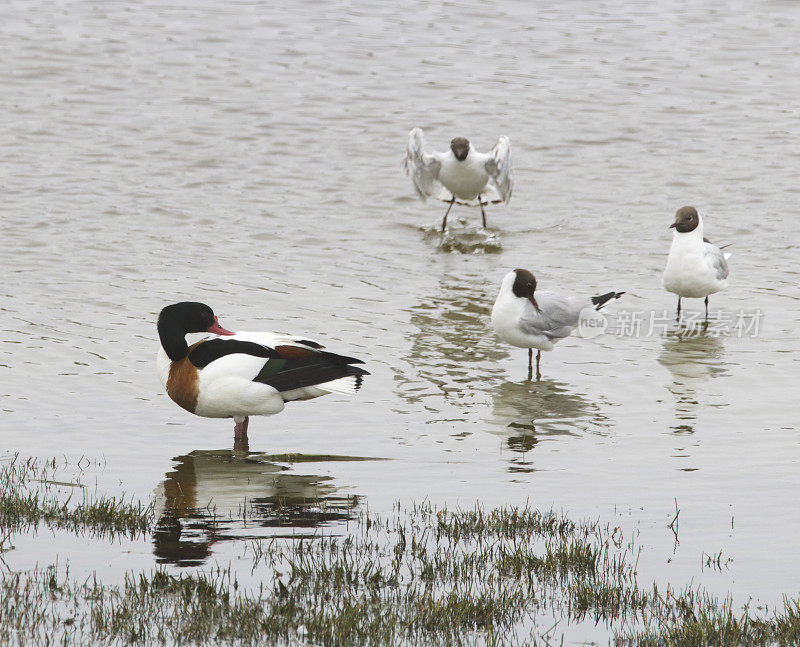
(219, 330)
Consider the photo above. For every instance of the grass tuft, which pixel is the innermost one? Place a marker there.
(30, 494)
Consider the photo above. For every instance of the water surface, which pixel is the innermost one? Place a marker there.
(249, 156)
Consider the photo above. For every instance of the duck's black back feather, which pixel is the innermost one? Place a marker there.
(203, 354)
(287, 374)
(287, 367)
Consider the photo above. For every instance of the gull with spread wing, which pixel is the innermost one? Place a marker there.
(462, 174)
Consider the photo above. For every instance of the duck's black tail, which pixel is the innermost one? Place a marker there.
(293, 367)
(601, 300)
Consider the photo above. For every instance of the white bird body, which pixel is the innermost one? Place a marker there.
(226, 389)
(526, 318)
(461, 174)
(695, 268)
(468, 179)
(517, 322)
(506, 315)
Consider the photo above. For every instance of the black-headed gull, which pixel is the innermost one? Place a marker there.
(462, 174)
(695, 267)
(530, 321)
(243, 374)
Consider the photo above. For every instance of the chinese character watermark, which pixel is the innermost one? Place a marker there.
(641, 323)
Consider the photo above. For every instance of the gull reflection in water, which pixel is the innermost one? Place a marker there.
(450, 344)
(693, 357)
(220, 495)
(526, 413)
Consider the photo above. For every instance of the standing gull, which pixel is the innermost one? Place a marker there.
(462, 174)
(521, 319)
(695, 267)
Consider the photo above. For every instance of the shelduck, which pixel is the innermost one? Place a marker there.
(238, 375)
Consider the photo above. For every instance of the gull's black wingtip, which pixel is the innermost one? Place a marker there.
(601, 300)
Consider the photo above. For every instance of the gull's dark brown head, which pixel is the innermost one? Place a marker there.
(686, 220)
(460, 148)
(524, 285)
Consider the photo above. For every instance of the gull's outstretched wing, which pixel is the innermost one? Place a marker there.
(717, 260)
(424, 168)
(557, 315)
(500, 168)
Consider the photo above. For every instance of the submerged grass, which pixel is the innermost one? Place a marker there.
(419, 576)
(695, 618)
(30, 494)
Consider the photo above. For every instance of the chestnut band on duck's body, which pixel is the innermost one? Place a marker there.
(182, 384)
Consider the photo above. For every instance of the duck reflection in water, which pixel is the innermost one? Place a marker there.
(693, 357)
(221, 495)
(525, 413)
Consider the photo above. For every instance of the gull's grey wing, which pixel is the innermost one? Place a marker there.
(500, 168)
(424, 168)
(716, 259)
(557, 315)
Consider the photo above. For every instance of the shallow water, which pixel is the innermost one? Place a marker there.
(250, 157)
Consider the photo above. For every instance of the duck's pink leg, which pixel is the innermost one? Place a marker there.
(240, 428)
(241, 444)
